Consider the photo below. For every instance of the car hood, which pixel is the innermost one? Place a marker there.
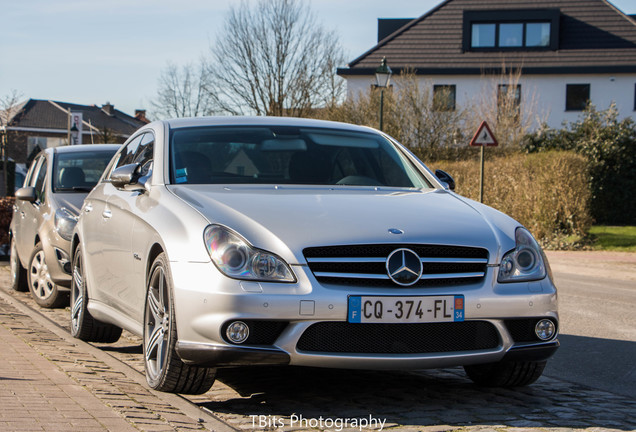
(287, 219)
(72, 201)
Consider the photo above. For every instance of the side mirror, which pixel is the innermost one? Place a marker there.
(125, 175)
(445, 177)
(26, 194)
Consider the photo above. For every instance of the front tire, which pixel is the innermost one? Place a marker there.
(45, 292)
(18, 273)
(506, 373)
(165, 371)
(83, 325)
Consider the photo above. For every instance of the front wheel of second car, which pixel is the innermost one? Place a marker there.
(165, 371)
(44, 291)
(83, 325)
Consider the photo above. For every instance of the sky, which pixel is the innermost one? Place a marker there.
(93, 52)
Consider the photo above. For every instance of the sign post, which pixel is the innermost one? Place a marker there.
(483, 138)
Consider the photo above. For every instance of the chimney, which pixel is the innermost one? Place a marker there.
(140, 115)
(108, 109)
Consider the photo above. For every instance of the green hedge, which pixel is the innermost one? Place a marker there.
(6, 213)
(546, 192)
(609, 148)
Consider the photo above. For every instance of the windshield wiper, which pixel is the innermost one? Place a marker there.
(74, 189)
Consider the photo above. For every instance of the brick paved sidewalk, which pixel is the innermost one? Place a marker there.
(52, 382)
(35, 395)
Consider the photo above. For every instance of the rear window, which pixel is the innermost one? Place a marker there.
(288, 155)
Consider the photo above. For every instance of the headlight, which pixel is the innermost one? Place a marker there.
(235, 258)
(523, 263)
(65, 221)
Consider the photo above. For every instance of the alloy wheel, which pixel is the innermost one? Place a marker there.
(77, 295)
(157, 324)
(13, 261)
(41, 283)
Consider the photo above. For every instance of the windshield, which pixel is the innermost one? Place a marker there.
(288, 155)
(79, 171)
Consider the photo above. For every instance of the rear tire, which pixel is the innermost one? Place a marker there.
(506, 373)
(83, 325)
(45, 292)
(18, 273)
(165, 371)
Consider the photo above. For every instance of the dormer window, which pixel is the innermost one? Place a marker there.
(511, 30)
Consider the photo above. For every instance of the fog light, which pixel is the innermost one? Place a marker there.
(237, 332)
(63, 259)
(545, 329)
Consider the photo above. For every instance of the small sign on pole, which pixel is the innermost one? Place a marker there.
(483, 138)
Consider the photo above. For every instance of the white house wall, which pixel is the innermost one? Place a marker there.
(542, 96)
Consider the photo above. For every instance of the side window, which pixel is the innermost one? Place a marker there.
(40, 182)
(127, 155)
(144, 155)
(32, 174)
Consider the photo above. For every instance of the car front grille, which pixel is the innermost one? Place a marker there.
(343, 337)
(365, 265)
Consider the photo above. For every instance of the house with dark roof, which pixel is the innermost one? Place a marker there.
(566, 52)
(37, 124)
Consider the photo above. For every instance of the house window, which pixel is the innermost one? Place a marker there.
(576, 96)
(35, 144)
(537, 34)
(444, 97)
(483, 35)
(511, 30)
(509, 100)
(511, 34)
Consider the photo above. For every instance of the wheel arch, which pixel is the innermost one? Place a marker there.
(154, 252)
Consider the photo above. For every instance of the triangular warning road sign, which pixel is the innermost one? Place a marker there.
(484, 136)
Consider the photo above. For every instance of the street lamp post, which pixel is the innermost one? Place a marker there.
(3, 150)
(382, 77)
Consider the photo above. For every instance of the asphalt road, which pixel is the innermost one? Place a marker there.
(598, 323)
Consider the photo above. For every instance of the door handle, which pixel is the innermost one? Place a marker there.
(22, 214)
(88, 208)
(107, 214)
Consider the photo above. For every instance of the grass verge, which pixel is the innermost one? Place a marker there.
(613, 238)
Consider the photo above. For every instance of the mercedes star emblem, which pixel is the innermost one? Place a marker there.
(404, 267)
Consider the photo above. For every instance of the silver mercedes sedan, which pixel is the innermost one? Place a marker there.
(274, 241)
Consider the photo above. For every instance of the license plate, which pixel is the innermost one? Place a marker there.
(412, 309)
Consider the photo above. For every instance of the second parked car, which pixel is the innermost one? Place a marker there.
(44, 216)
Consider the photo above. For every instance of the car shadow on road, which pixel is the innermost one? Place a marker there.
(606, 364)
(422, 398)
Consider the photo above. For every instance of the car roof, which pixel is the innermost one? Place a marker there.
(85, 147)
(260, 121)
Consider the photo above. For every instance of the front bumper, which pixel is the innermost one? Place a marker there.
(58, 259)
(204, 309)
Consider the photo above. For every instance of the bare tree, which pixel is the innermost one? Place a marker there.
(274, 59)
(181, 92)
(9, 107)
(501, 103)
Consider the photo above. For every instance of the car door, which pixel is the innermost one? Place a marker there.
(96, 239)
(30, 212)
(18, 223)
(120, 215)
